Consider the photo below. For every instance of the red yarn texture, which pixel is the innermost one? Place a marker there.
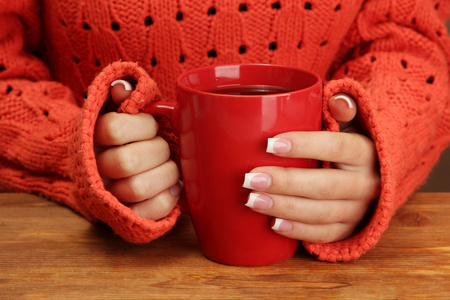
(58, 58)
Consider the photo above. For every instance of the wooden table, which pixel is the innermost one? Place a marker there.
(49, 252)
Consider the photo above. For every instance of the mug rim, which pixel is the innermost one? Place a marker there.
(315, 85)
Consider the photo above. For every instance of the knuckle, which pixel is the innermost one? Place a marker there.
(338, 146)
(173, 170)
(162, 147)
(372, 187)
(358, 212)
(326, 215)
(126, 162)
(166, 203)
(138, 188)
(152, 123)
(157, 207)
(151, 126)
(114, 129)
(368, 153)
(286, 178)
(327, 188)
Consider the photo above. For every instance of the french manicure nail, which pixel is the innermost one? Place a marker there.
(257, 181)
(125, 83)
(259, 201)
(278, 145)
(281, 225)
(346, 99)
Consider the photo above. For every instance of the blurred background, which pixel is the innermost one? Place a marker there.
(439, 179)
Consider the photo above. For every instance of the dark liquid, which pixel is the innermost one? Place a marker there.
(250, 90)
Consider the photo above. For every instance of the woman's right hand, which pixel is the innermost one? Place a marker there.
(134, 162)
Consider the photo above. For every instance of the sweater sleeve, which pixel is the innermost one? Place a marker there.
(395, 63)
(46, 138)
(36, 114)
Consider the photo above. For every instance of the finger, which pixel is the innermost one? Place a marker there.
(120, 91)
(347, 148)
(324, 184)
(326, 233)
(307, 211)
(342, 107)
(113, 129)
(133, 158)
(159, 206)
(145, 185)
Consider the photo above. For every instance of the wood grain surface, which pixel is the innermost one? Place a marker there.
(49, 252)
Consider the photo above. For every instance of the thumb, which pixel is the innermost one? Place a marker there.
(342, 107)
(120, 91)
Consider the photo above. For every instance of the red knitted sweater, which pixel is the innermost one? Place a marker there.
(58, 58)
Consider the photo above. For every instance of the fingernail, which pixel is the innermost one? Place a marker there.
(257, 181)
(177, 188)
(345, 98)
(281, 225)
(259, 201)
(278, 145)
(125, 83)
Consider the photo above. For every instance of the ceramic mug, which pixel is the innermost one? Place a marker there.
(223, 116)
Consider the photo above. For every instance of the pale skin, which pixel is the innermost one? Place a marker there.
(314, 205)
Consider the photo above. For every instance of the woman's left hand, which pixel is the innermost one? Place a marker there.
(319, 205)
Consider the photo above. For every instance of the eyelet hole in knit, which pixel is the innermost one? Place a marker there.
(373, 58)
(211, 11)
(181, 58)
(308, 5)
(75, 59)
(9, 89)
(338, 7)
(299, 45)
(242, 7)
(179, 16)
(154, 62)
(276, 5)
(273, 46)
(430, 80)
(115, 26)
(242, 49)
(148, 21)
(2, 68)
(404, 64)
(86, 26)
(323, 43)
(212, 53)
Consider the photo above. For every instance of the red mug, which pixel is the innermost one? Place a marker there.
(223, 117)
